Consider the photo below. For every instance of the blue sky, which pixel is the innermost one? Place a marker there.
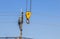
(44, 22)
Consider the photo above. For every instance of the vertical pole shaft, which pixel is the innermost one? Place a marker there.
(20, 31)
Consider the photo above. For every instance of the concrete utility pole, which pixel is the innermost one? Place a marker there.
(20, 23)
(27, 14)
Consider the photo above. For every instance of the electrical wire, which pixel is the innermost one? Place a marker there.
(30, 5)
(27, 5)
